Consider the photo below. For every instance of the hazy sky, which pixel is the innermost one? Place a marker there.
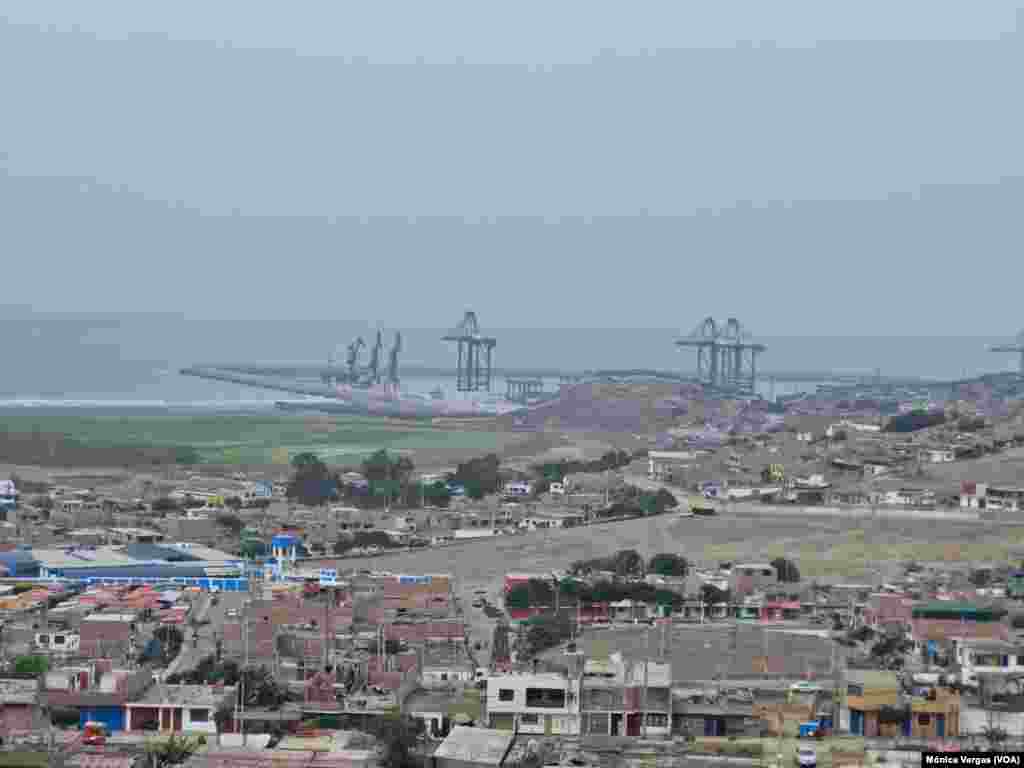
(806, 167)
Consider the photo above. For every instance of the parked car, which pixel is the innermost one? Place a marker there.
(806, 757)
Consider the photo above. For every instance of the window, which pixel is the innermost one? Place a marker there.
(506, 694)
(59, 640)
(529, 719)
(854, 690)
(924, 719)
(547, 698)
(199, 715)
(657, 719)
(766, 572)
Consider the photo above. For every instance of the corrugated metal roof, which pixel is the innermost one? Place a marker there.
(475, 745)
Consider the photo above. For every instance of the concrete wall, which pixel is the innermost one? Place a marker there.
(854, 512)
(974, 720)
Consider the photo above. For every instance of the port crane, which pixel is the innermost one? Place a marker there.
(352, 361)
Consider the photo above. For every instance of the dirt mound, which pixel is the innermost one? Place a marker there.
(605, 407)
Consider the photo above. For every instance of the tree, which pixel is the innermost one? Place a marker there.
(437, 494)
(233, 523)
(628, 562)
(532, 594)
(261, 689)
(170, 639)
(666, 564)
(665, 500)
(786, 570)
(165, 504)
(479, 475)
(398, 735)
(712, 595)
(31, 665)
(981, 578)
(312, 484)
(547, 631)
(172, 750)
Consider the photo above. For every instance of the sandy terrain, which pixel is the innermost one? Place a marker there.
(825, 549)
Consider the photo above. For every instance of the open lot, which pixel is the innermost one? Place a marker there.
(827, 549)
(701, 652)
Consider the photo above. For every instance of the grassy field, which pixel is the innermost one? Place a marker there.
(248, 439)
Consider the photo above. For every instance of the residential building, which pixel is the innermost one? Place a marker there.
(96, 691)
(973, 657)
(552, 520)
(936, 455)
(886, 609)
(873, 705)
(78, 513)
(519, 488)
(906, 497)
(982, 496)
(746, 578)
(106, 635)
(613, 701)
(667, 465)
(18, 706)
(934, 625)
(544, 703)
(193, 526)
(178, 708)
(1006, 711)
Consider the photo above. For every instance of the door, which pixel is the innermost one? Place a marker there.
(177, 718)
(547, 725)
(856, 722)
(633, 724)
(940, 726)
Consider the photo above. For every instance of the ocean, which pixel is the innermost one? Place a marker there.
(114, 360)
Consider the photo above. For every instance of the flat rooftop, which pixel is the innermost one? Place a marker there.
(475, 745)
(184, 695)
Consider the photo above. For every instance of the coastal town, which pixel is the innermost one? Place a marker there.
(489, 613)
(511, 385)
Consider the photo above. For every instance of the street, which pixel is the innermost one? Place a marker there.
(193, 652)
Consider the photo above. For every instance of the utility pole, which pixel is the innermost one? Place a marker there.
(647, 661)
(245, 666)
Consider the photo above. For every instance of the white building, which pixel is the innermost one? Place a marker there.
(58, 642)
(543, 703)
(553, 520)
(986, 657)
(983, 496)
(661, 464)
(518, 488)
(474, 533)
(854, 426)
(936, 455)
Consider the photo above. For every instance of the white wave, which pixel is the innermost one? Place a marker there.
(76, 403)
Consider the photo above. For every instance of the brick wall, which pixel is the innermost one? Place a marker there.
(16, 717)
(101, 638)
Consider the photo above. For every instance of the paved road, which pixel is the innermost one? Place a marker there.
(196, 649)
